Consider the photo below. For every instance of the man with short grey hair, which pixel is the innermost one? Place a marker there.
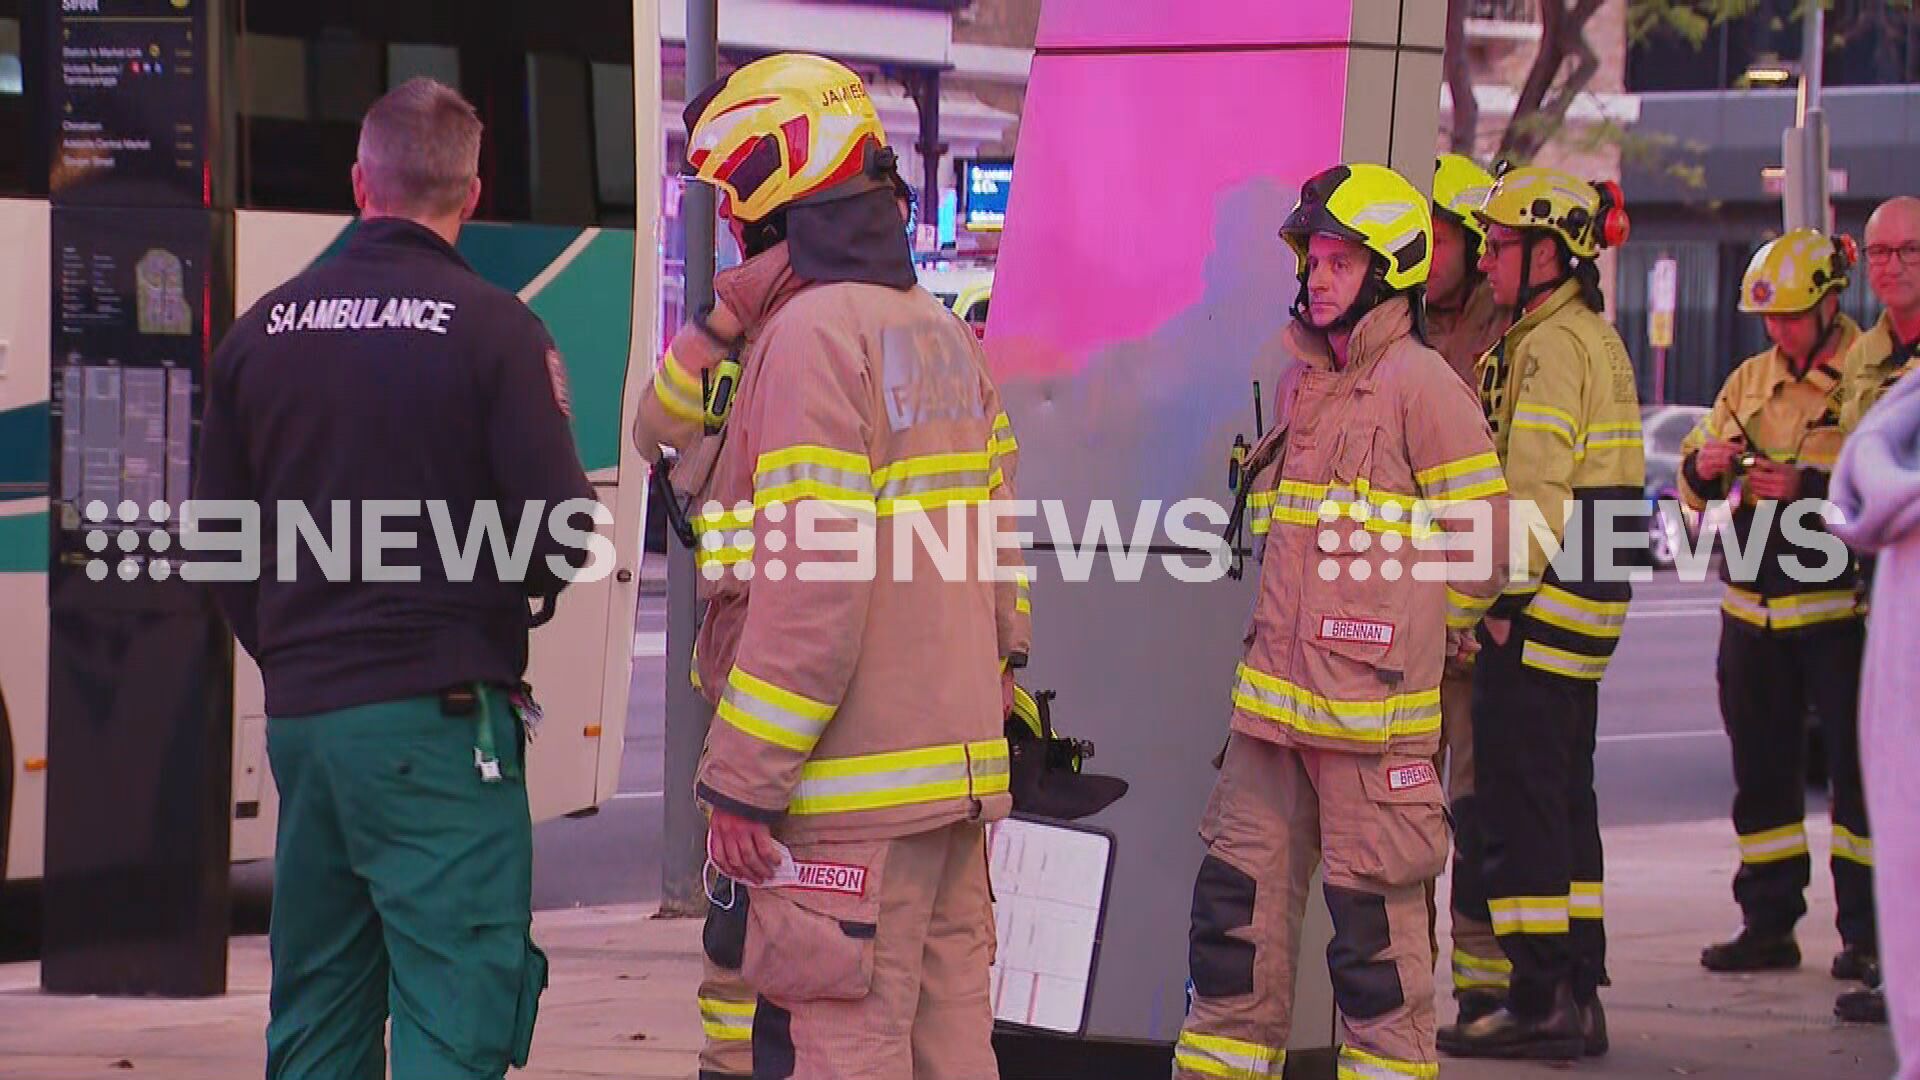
(392, 376)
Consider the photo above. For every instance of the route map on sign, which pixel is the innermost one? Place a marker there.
(1050, 889)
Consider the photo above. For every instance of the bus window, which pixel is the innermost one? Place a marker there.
(553, 84)
(21, 173)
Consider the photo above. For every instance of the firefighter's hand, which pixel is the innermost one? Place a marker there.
(742, 849)
(1714, 459)
(723, 324)
(1461, 645)
(1773, 480)
(1006, 694)
(1498, 629)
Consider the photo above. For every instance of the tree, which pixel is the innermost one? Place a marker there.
(1566, 63)
(1561, 71)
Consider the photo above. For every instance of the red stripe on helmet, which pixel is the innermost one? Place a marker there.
(799, 143)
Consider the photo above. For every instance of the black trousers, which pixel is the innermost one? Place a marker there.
(1533, 743)
(1768, 681)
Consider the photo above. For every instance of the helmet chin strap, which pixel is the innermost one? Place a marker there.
(1372, 294)
(1528, 291)
(1803, 364)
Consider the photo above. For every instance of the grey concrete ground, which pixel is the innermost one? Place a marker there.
(621, 1002)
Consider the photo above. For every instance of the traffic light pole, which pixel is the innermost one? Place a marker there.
(683, 843)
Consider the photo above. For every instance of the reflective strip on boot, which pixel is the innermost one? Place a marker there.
(1774, 845)
(901, 778)
(1529, 915)
(1356, 1064)
(1587, 900)
(1472, 972)
(1852, 847)
(1228, 1059)
(726, 1021)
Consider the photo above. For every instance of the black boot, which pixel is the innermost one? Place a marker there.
(1855, 964)
(1593, 1029)
(1752, 950)
(1557, 1036)
(1475, 1004)
(1862, 1007)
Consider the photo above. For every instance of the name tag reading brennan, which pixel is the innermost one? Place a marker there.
(1359, 631)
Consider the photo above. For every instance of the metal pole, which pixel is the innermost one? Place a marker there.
(1806, 150)
(930, 147)
(683, 842)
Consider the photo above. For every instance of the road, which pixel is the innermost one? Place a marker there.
(1662, 755)
(614, 856)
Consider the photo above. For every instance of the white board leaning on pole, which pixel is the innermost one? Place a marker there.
(1050, 894)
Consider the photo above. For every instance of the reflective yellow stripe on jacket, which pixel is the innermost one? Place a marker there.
(1000, 445)
(1618, 435)
(931, 481)
(723, 537)
(1464, 611)
(1228, 1059)
(813, 472)
(771, 714)
(1477, 477)
(1795, 612)
(1536, 417)
(679, 390)
(901, 778)
(1295, 502)
(1593, 618)
(1373, 723)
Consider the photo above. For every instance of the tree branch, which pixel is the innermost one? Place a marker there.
(1459, 65)
(1586, 63)
(1562, 35)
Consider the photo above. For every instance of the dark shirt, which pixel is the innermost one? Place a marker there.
(391, 371)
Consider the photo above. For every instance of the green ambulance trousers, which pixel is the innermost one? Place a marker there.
(403, 886)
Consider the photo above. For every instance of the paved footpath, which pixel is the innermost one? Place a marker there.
(621, 1002)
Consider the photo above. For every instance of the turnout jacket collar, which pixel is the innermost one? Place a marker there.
(1567, 292)
(1373, 335)
(1823, 376)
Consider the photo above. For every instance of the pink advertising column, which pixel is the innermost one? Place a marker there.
(1141, 274)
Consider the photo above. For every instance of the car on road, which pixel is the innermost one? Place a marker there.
(966, 289)
(1665, 428)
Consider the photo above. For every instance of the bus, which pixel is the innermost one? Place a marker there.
(569, 165)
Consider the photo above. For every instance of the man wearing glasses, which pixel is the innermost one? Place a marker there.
(1880, 358)
(1889, 350)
